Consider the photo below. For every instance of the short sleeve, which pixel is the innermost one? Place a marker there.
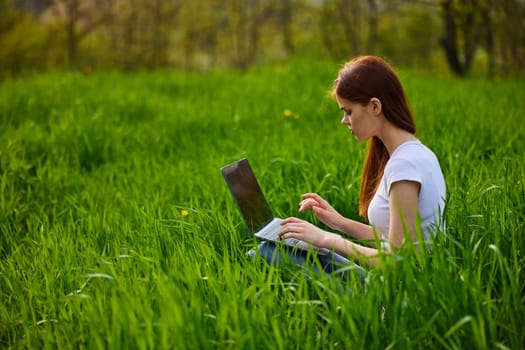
(401, 170)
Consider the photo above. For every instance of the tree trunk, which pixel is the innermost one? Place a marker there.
(349, 14)
(72, 17)
(489, 39)
(467, 15)
(372, 26)
(286, 26)
(449, 40)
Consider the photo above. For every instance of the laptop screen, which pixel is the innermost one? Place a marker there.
(247, 194)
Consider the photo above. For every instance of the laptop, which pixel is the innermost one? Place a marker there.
(253, 206)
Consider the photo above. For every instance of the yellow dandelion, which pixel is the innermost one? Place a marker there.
(184, 212)
(287, 112)
(296, 116)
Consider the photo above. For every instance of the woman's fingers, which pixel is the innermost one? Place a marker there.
(304, 231)
(313, 196)
(291, 227)
(290, 220)
(308, 203)
(317, 198)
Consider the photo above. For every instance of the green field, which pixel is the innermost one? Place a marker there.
(118, 231)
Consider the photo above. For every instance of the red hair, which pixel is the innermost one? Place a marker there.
(359, 81)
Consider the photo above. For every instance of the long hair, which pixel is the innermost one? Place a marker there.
(358, 81)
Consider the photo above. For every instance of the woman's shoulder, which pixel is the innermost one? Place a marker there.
(411, 161)
(413, 155)
(413, 151)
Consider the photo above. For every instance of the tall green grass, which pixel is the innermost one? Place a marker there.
(117, 230)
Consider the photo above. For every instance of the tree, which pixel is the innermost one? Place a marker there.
(140, 33)
(349, 27)
(461, 34)
(497, 27)
(373, 23)
(508, 30)
(247, 18)
(285, 19)
(80, 17)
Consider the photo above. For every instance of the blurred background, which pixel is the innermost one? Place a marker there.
(460, 37)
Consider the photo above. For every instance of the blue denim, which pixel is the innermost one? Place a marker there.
(330, 263)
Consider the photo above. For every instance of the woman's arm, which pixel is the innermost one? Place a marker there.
(330, 217)
(358, 230)
(305, 231)
(403, 198)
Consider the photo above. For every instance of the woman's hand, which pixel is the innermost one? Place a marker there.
(305, 231)
(324, 211)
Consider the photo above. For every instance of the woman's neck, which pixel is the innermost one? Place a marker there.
(392, 137)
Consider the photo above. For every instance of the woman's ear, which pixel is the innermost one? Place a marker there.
(375, 104)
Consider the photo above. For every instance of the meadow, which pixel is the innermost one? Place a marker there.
(118, 231)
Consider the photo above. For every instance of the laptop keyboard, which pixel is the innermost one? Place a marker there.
(270, 232)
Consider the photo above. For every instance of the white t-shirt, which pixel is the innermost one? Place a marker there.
(411, 161)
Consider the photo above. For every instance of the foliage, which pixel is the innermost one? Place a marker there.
(24, 46)
(117, 230)
(497, 28)
(421, 26)
(210, 34)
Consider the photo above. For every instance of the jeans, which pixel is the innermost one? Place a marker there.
(331, 263)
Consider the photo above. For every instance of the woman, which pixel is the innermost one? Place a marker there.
(402, 185)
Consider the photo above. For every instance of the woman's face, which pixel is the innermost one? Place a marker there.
(360, 119)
